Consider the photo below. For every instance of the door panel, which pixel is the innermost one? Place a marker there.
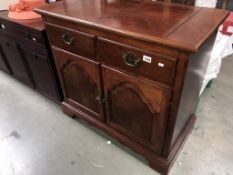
(136, 108)
(42, 75)
(14, 57)
(124, 116)
(3, 62)
(80, 79)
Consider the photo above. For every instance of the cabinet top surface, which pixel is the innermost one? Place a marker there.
(179, 26)
(36, 24)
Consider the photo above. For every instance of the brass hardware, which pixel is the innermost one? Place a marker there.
(100, 98)
(68, 39)
(104, 99)
(131, 59)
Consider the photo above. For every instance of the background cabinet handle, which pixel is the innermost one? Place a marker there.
(131, 59)
(67, 38)
(3, 26)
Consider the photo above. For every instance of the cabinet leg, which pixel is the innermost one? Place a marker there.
(68, 112)
(162, 169)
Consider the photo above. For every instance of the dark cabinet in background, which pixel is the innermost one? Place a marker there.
(13, 55)
(26, 55)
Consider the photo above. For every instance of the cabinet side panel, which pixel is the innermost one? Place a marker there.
(196, 70)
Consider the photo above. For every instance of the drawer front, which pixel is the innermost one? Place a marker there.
(137, 61)
(21, 33)
(72, 41)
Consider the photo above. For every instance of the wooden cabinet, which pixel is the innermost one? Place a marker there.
(132, 69)
(26, 55)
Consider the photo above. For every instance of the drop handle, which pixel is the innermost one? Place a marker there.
(68, 39)
(131, 59)
(100, 98)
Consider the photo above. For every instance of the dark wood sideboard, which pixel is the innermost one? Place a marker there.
(133, 69)
(26, 55)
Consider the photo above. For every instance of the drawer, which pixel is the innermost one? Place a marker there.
(71, 40)
(139, 62)
(21, 33)
(6, 26)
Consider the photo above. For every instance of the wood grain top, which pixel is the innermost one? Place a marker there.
(179, 26)
(36, 24)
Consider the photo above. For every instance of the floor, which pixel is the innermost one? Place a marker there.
(37, 139)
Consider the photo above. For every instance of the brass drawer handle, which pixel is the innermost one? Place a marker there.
(100, 98)
(68, 39)
(131, 59)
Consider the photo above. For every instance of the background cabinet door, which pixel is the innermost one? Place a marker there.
(42, 75)
(80, 79)
(136, 108)
(14, 57)
(3, 63)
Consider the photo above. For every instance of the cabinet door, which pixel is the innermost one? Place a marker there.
(14, 57)
(136, 108)
(80, 79)
(42, 76)
(3, 63)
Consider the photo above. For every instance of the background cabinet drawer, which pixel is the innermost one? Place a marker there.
(21, 33)
(136, 61)
(71, 40)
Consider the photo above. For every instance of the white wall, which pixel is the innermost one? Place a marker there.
(5, 3)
